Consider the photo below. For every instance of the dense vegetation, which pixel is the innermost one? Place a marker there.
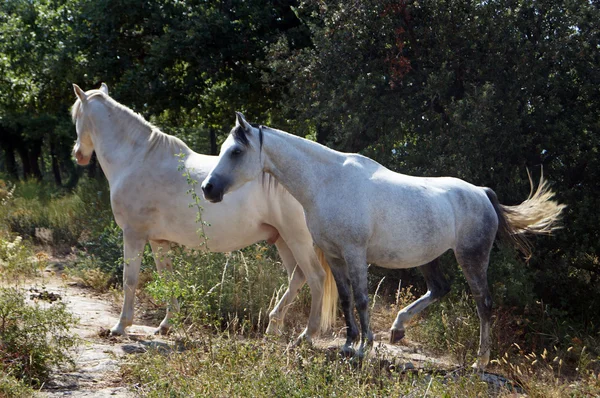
(478, 90)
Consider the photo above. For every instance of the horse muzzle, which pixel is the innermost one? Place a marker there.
(213, 189)
(81, 159)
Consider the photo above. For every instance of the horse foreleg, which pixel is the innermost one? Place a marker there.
(437, 287)
(356, 261)
(163, 262)
(133, 245)
(296, 281)
(342, 281)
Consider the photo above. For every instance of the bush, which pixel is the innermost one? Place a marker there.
(14, 388)
(33, 338)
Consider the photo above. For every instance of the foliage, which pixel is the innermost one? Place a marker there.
(33, 337)
(14, 388)
(450, 327)
(476, 90)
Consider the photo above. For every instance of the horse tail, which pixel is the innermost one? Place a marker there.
(330, 294)
(538, 214)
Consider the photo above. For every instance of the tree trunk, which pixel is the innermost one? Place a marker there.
(213, 142)
(11, 162)
(23, 154)
(34, 159)
(55, 164)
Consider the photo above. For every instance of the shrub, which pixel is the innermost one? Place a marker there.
(14, 388)
(33, 338)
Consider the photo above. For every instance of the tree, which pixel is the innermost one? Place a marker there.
(477, 90)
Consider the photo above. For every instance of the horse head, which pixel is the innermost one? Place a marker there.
(84, 146)
(239, 161)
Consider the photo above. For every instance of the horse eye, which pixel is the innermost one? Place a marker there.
(236, 152)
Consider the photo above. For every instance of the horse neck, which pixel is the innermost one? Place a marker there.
(300, 165)
(120, 138)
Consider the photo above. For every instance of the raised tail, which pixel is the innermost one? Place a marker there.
(330, 294)
(538, 214)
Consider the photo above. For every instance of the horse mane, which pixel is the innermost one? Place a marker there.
(136, 124)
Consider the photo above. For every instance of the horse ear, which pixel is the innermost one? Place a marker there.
(241, 121)
(104, 88)
(80, 93)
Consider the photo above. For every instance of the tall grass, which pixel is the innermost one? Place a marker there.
(44, 214)
(233, 292)
(230, 367)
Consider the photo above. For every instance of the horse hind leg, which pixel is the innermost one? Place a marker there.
(437, 287)
(296, 281)
(314, 274)
(474, 264)
(356, 261)
(163, 262)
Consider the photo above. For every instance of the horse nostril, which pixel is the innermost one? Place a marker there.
(206, 188)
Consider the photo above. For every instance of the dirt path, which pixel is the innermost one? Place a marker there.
(97, 358)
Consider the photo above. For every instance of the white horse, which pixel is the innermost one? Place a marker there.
(150, 203)
(359, 212)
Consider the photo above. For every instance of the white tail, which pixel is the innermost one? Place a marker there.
(330, 294)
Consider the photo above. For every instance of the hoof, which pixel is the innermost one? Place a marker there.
(119, 328)
(303, 339)
(162, 331)
(478, 367)
(274, 329)
(396, 335)
(347, 352)
(117, 332)
(481, 363)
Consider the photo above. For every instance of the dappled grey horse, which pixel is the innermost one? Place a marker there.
(360, 212)
(150, 203)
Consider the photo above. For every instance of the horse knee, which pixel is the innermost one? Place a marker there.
(130, 280)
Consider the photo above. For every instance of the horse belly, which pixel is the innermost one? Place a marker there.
(412, 242)
(404, 257)
(230, 239)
